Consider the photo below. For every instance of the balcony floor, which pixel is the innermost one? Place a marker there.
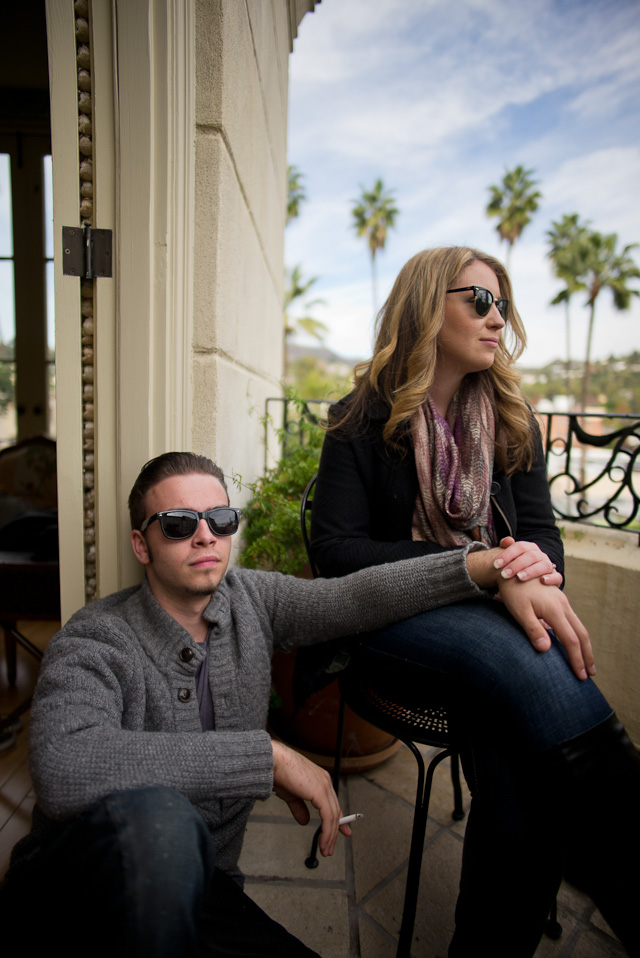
(351, 905)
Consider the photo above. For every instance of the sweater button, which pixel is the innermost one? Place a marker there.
(184, 695)
(186, 655)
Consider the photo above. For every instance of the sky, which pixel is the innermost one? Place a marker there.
(438, 99)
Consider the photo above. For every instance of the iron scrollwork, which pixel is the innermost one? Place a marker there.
(298, 416)
(599, 479)
(597, 489)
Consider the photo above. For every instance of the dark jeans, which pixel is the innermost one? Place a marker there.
(514, 707)
(531, 698)
(135, 876)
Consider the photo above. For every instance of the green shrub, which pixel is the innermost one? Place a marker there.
(272, 538)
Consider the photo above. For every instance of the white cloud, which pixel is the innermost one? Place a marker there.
(437, 99)
(602, 185)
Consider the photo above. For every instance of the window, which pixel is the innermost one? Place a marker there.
(27, 337)
(7, 308)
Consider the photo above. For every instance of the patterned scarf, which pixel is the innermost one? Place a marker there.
(454, 459)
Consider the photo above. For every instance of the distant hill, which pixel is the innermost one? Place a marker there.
(321, 353)
(615, 383)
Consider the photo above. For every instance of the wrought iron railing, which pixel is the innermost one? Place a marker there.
(292, 418)
(593, 459)
(593, 465)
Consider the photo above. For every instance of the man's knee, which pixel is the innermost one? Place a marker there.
(150, 806)
(155, 828)
(136, 865)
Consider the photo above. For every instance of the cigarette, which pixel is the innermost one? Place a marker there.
(351, 818)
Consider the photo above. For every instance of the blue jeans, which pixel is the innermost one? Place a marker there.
(135, 876)
(531, 697)
(512, 705)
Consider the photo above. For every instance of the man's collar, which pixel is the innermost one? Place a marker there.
(216, 606)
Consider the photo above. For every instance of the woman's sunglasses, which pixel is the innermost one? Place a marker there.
(483, 298)
(182, 523)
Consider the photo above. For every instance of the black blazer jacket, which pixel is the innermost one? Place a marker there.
(365, 495)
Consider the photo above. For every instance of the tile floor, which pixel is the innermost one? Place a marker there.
(351, 905)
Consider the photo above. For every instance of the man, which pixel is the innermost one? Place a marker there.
(148, 746)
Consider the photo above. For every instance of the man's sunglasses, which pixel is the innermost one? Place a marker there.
(483, 298)
(182, 523)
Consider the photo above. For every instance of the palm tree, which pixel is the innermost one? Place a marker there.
(567, 253)
(295, 192)
(296, 288)
(605, 268)
(514, 201)
(374, 213)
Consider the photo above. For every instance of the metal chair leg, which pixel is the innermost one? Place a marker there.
(458, 811)
(553, 928)
(312, 859)
(10, 652)
(423, 795)
(13, 638)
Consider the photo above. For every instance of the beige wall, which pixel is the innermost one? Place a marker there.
(603, 585)
(242, 55)
(189, 153)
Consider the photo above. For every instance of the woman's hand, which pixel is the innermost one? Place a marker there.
(525, 561)
(537, 608)
(521, 561)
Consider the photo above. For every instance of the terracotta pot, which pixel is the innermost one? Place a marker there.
(313, 730)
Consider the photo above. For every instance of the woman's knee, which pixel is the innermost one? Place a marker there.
(476, 646)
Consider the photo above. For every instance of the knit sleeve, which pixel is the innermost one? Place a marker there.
(304, 611)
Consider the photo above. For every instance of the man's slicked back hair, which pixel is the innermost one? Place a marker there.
(163, 467)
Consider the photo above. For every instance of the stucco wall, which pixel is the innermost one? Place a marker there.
(603, 585)
(242, 52)
(189, 115)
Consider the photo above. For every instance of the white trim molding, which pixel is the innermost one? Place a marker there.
(155, 161)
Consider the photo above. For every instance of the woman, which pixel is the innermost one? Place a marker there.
(436, 447)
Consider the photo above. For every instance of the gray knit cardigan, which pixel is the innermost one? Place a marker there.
(116, 705)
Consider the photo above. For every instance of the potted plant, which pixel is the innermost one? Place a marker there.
(271, 531)
(305, 697)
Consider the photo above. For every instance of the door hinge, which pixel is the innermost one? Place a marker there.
(86, 252)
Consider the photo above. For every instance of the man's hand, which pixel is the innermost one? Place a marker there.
(536, 607)
(296, 780)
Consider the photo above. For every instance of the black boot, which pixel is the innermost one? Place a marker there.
(599, 772)
(513, 857)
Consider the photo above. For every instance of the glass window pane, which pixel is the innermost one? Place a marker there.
(7, 307)
(51, 425)
(51, 326)
(51, 320)
(6, 228)
(48, 207)
(7, 407)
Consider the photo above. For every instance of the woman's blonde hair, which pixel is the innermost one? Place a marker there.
(402, 368)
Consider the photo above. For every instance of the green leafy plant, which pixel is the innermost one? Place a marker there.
(272, 537)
